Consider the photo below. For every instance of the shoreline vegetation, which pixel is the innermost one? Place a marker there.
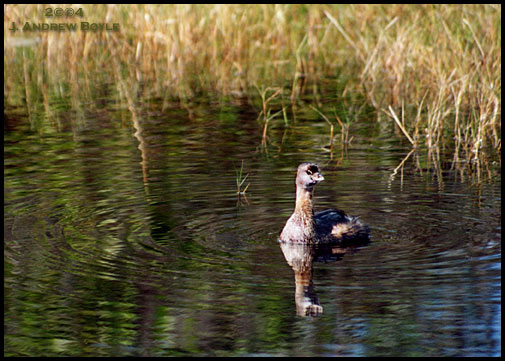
(434, 71)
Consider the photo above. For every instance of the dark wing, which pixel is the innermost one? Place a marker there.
(333, 225)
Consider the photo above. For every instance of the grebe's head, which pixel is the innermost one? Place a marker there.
(308, 175)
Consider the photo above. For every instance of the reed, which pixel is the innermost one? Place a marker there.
(441, 64)
(266, 112)
(240, 181)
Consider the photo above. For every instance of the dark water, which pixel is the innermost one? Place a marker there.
(123, 240)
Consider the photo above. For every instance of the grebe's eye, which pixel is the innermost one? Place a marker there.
(309, 172)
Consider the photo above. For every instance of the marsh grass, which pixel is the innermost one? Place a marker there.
(267, 95)
(240, 181)
(439, 66)
(401, 124)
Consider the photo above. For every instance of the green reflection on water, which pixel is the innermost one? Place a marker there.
(129, 241)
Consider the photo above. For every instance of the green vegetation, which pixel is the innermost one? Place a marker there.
(434, 70)
(240, 181)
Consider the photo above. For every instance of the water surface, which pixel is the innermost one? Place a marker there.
(124, 236)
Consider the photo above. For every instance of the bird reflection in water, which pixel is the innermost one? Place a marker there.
(301, 256)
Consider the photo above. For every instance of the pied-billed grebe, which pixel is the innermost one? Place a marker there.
(328, 226)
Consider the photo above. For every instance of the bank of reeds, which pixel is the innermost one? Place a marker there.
(438, 67)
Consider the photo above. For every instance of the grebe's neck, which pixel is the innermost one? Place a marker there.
(304, 202)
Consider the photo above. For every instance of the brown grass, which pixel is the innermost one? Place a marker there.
(438, 66)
